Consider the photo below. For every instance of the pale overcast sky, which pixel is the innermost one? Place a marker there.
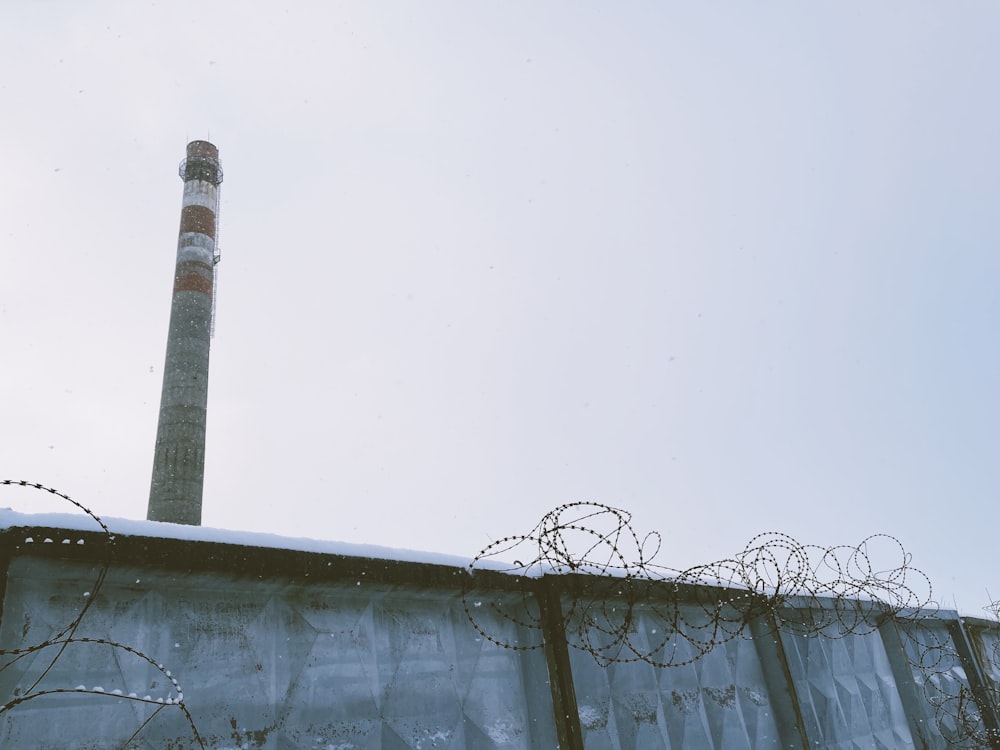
(731, 266)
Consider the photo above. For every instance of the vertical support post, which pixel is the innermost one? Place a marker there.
(778, 677)
(915, 704)
(567, 715)
(977, 681)
(7, 545)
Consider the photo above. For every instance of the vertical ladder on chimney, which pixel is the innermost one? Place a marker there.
(216, 257)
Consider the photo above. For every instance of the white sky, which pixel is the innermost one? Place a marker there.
(733, 267)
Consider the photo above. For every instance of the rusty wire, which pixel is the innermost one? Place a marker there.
(785, 586)
(66, 638)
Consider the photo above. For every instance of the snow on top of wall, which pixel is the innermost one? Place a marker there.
(128, 527)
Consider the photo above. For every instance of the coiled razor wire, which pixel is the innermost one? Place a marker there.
(793, 588)
(57, 645)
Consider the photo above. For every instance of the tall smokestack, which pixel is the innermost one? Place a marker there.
(179, 457)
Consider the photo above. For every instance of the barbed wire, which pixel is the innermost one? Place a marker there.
(66, 638)
(943, 683)
(791, 588)
(838, 588)
(991, 655)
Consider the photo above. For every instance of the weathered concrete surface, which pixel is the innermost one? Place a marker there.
(258, 663)
(179, 456)
(120, 641)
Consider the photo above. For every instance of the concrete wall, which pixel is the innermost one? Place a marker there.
(157, 643)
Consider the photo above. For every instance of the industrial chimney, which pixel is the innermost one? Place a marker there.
(179, 457)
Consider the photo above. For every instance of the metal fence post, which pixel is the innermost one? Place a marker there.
(567, 716)
(778, 677)
(977, 681)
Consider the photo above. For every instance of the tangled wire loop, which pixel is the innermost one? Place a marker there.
(833, 591)
(57, 646)
(775, 583)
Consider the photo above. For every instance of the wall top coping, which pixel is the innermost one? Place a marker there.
(198, 550)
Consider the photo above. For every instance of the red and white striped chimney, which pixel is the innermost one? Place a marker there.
(179, 458)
